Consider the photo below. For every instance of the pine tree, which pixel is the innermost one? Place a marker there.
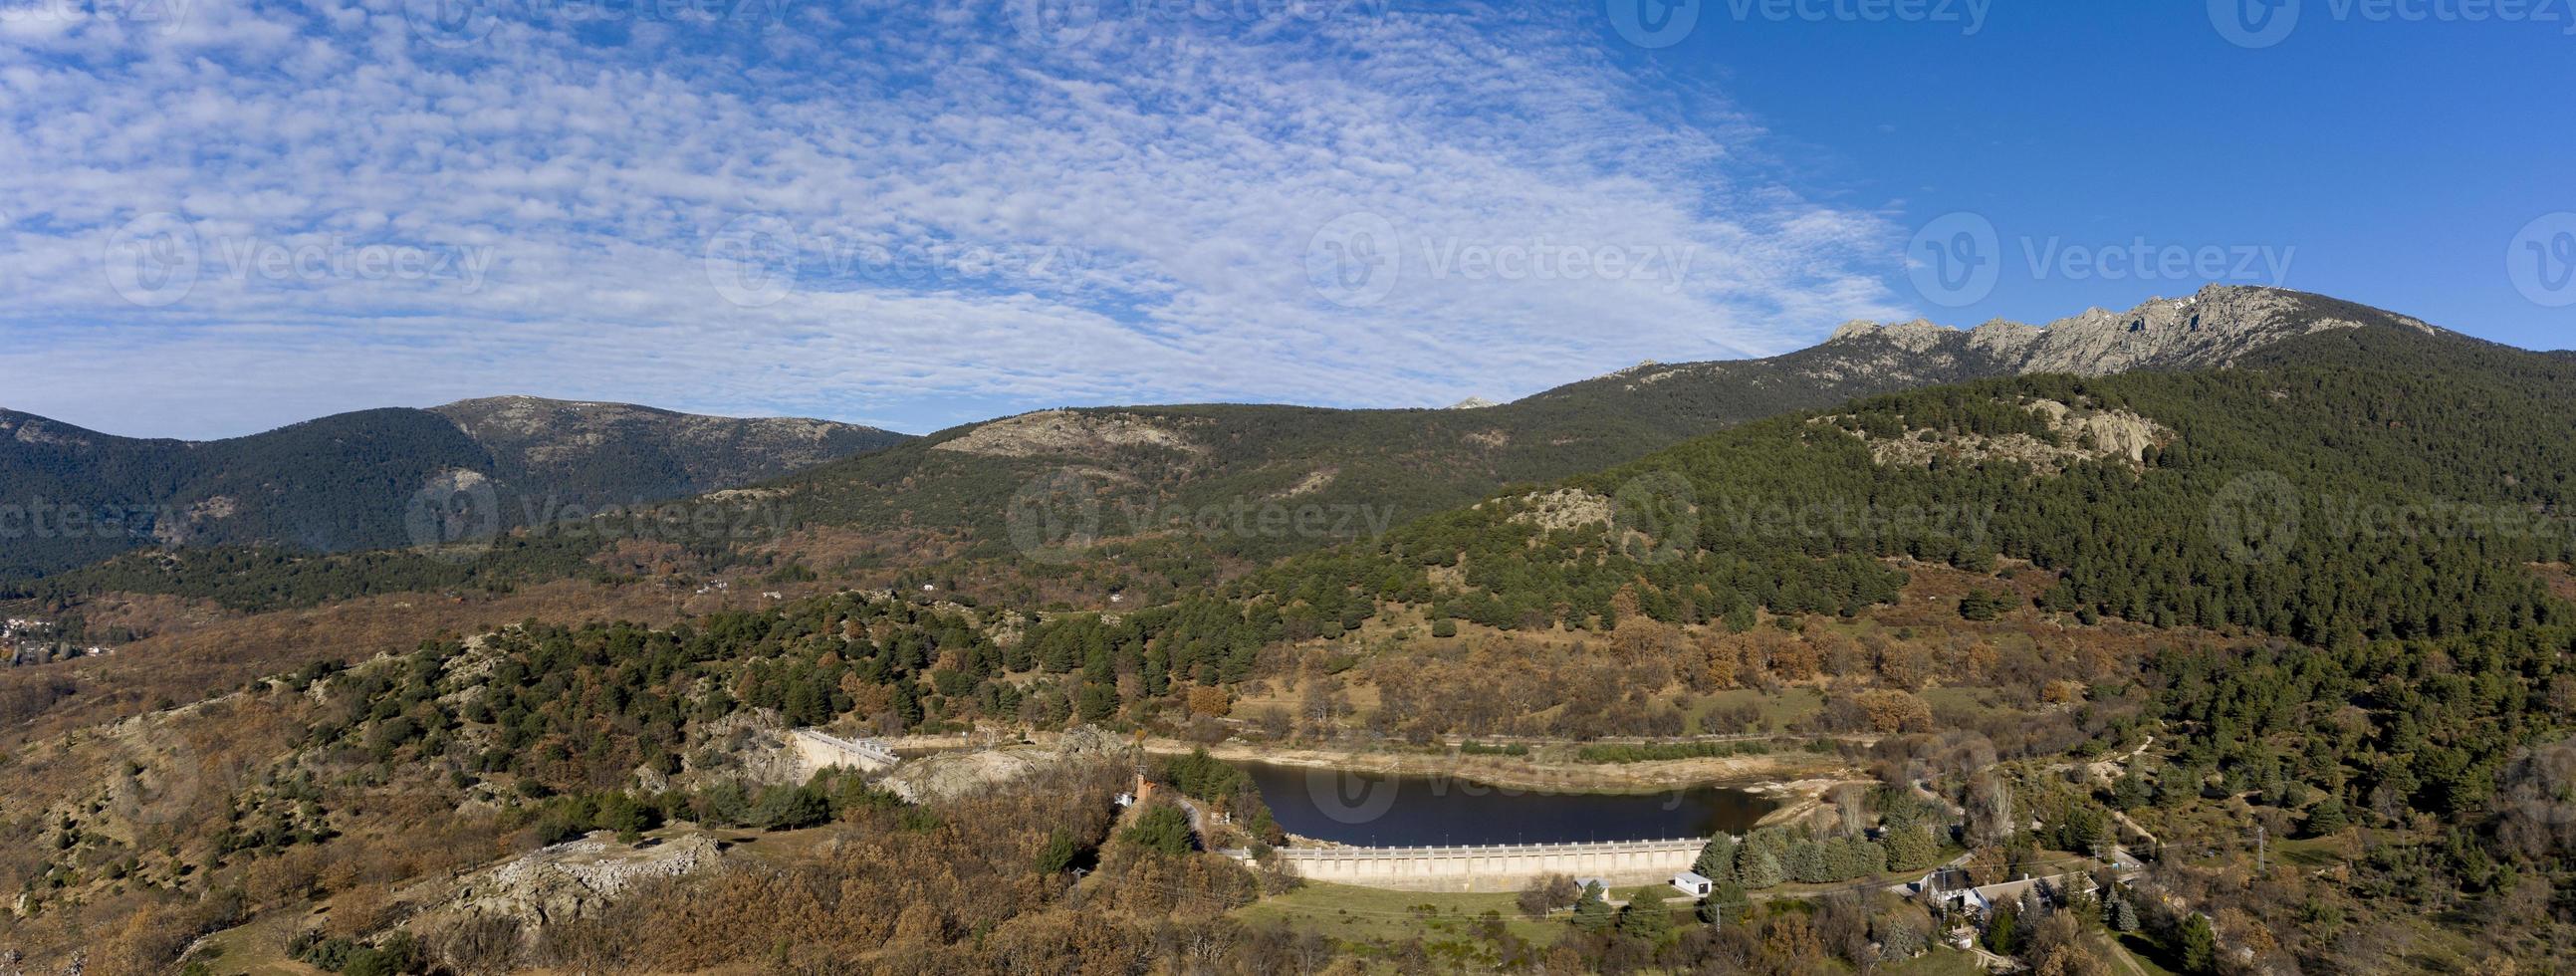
(1716, 859)
(2327, 817)
(2199, 945)
(1806, 862)
(1758, 869)
(2003, 930)
(1592, 912)
(1645, 916)
(1058, 853)
(1911, 847)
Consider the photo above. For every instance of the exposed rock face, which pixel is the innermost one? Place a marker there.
(575, 878)
(2080, 434)
(1473, 403)
(1066, 432)
(1313, 482)
(949, 775)
(1564, 508)
(32, 429)
(2208, 329)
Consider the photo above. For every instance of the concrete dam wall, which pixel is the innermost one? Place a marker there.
(815, 750)
(1492, 867)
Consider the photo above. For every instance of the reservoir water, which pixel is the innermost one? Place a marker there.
(1375, 810)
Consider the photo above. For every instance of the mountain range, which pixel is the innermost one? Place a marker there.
(1144, 466)
(1160, 484)
(2250, 557)
(350, 481)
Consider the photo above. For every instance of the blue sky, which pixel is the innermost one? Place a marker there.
(219, 216)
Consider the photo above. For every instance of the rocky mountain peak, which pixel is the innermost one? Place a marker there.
(2207, 329)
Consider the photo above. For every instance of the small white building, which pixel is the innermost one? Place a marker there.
(1692, 884)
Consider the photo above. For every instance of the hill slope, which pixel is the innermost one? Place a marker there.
(2377, 483)
(347, 481)
(1177, 496)
(1152, 472)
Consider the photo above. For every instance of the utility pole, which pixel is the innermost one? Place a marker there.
(2259, 837)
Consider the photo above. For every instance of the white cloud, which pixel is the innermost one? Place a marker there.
(1126, 216)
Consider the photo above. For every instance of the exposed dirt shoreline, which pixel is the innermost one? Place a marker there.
(1797, 781)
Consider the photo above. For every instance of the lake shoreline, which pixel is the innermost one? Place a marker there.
(1795, 780)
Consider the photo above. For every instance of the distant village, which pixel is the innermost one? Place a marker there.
(26, 641)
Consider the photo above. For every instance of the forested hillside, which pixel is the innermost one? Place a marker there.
(2366, 484)
(360, 480)
(1146, 478)
(1077, 504)
(2317, 599)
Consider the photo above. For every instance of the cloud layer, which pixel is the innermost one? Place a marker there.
(223, 216)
